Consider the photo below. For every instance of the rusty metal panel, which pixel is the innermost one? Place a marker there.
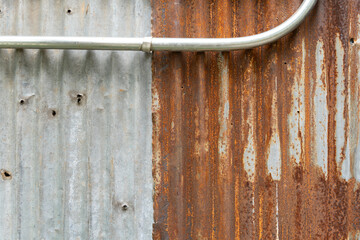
(75, 126)
(263, 143)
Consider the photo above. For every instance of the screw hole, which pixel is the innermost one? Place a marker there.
(22, 101)
(79, 98)
(125, 207)
(298, 111)
(352, 40)
(69, 11)
(53, 112)
(6, 175)
(285, 63)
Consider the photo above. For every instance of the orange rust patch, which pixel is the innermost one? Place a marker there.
(203, 189)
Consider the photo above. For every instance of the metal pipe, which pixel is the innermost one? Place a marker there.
(148, 44)
(85, 43)
(225, 44)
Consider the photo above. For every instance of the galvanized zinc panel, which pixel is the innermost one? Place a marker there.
(262, 143)
(75, 126)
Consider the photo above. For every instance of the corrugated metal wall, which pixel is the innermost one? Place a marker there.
(263, 143)
(75, 126)
(256, 144)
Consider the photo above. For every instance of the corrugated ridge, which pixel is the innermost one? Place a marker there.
(262, 143)
(75, 125)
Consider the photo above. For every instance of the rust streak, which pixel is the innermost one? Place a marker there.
(262, 143)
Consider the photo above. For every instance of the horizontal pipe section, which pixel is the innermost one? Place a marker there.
(148, 44)
(85, 43)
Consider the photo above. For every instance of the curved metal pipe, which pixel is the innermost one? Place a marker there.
(148, 44)
(226, 44)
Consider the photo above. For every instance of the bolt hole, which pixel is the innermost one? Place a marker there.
(69, 11)
(22, 101)
(352, 40)
(53, 112)
(6, 175)
(125, 207)
(79, 98)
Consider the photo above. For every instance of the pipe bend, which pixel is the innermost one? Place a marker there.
(228, 44)
(148, 44)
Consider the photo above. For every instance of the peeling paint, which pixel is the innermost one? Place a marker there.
(274, 151)
(342, 131)
(250, 156)
(320, 111)
(297, 115)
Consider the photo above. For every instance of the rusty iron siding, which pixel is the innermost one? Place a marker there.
(263, 143)
(75, 126)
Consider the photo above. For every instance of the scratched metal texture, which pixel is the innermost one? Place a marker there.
(262, 143)
(75, 126)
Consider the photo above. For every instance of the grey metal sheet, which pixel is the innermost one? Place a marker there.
(75, 162)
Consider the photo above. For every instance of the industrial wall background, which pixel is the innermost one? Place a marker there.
(251, 144)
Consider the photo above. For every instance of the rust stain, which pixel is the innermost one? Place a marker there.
(262, 143)
(87, 9)
(6, 175)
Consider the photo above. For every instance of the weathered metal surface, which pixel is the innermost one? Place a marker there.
(257, 144)
(75, 126)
